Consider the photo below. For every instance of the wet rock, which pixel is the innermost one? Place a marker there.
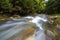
(54, 27)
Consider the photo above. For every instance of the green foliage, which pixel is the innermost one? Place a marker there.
(24, 7)
(5, 4)
(52, 6)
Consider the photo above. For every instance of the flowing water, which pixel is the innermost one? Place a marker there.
(26, 28)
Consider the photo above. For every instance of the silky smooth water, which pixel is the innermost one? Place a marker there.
(11, 28)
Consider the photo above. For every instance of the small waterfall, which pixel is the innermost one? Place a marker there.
(20, 25)
(39, 21)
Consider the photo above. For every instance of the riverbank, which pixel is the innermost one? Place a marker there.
(17, 16)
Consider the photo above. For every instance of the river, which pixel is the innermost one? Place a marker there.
(25, 28)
